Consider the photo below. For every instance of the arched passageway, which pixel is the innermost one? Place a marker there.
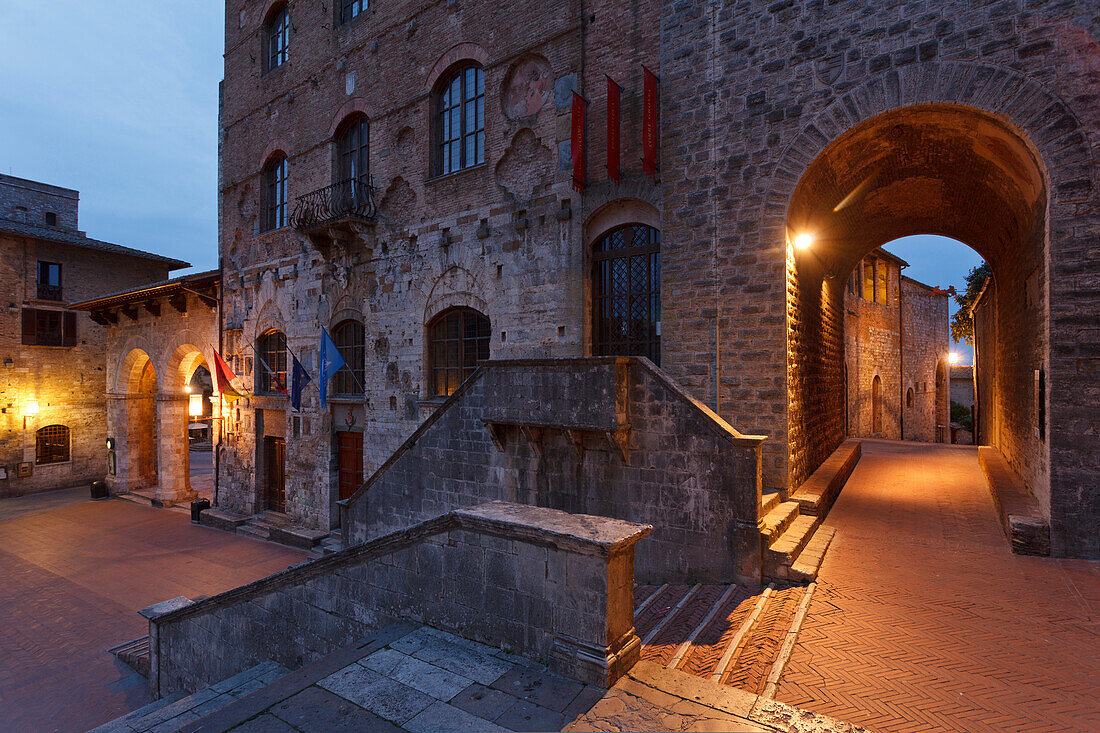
(939, 169)
(135, 461)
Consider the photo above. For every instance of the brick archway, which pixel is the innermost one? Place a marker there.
(1031, 139)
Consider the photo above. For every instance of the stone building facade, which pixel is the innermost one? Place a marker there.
(404, 170)
(895, 349)
(53, 381)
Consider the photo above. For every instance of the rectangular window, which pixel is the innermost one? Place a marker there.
(49, 280)
(278, 39)
(868, 280)
(49, 327)
(880, 286)
(275, 194)
(351, 8)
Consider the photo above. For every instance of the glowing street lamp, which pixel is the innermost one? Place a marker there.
(953, 358)
(804, 240)
(194, 405)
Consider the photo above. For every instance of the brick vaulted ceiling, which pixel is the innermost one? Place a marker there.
(925, 169)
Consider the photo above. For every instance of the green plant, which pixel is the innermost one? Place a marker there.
(962, 325)
(962, 416)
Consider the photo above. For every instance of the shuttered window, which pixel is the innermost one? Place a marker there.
(43, 327)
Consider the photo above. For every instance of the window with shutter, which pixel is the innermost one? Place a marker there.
(29, 325)
(69, 337)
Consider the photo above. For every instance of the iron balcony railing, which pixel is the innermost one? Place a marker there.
(352, 198)
(49, 292)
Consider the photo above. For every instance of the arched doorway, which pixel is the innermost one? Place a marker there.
(626, 292)
(876, 405)
(939, 169)
(135, 446)
(186, 399)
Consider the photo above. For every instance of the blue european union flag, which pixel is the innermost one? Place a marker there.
(298, 382)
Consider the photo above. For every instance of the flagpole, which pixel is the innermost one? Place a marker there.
(272, 372)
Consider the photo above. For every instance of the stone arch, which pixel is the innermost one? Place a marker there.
(455, 287)
(185, 353)
(615, 213)
(129, 374)
(1036, 130)
(352, 108)
(457, 54)
(274, 148)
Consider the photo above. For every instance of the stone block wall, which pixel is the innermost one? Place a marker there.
(873, 348)
(606, 436)
(541, 583)
(925, 345)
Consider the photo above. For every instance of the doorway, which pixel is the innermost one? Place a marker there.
(349, 462)
(275, 473)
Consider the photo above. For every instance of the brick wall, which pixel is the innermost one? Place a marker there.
(29, 202)
(541, 583)
(544, 433)
(68, 383)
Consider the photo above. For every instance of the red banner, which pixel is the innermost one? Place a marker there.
(225, 377)
(613, 90)
(577, 141)
(649, 124)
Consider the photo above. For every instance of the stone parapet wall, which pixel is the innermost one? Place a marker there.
(539, 582)
(627, 443)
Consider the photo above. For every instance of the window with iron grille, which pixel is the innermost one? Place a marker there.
(460, 120)
(351, 8)
(49, 280)
(272, 351)
(353, 157)
(627, 292)
(275, 195)
(51, 445)
(457, 340)
(42, 327)
(277, 37)
(349, 339)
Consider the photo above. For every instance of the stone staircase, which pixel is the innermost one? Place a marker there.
(794, 546)
(175, 711)
(726, 634)
(134, 654)
(270, 526)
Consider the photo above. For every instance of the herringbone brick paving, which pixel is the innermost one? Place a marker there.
(749, 671)
(712, 642)
(72, 581)
(924, 620)
(679, 628)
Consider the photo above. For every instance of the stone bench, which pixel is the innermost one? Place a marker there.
(1027, 530)
(817, 493)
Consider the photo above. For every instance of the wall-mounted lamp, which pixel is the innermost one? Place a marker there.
(194, 405)
(31, 408)
(110, 443)
(8, 361)
(953, 358)
(804, 240)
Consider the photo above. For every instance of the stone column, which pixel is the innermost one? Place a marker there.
(126, 475)
(174, 485)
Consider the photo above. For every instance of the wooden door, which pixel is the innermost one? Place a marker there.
(349, 462)
(275, 460)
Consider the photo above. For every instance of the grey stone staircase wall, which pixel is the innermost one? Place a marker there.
(607, 436)
(540, 582)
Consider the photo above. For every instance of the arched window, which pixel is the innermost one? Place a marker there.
(271, 371)
(627, 292)
(352, 162)
(275, 183)
(277, 38)
(51, 445)
(457, 340)
(909, 397)
(876, 405)
(460, 120)
(349, 339)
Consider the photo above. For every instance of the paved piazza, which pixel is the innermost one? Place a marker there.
(924, 620)
(72, 580)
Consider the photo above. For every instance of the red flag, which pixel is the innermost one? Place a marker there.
(225, 377)
(649, 124)
(577, 141)
(613, 90)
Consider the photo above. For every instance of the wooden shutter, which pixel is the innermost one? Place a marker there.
(68, 330)
(30, 316)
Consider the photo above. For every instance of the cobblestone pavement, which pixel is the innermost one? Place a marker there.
(924, 620)
(71, 582)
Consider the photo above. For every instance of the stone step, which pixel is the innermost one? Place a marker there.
(221, 519)
(175, 711)
(770, 501)
(785, 551)
(134, 654)
(778, 519)
(252, 530)
(806, 567)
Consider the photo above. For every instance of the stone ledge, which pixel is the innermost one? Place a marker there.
(817, 494)
(1028, 532)
(582, 533)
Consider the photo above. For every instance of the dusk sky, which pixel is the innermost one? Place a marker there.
(120, 101)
